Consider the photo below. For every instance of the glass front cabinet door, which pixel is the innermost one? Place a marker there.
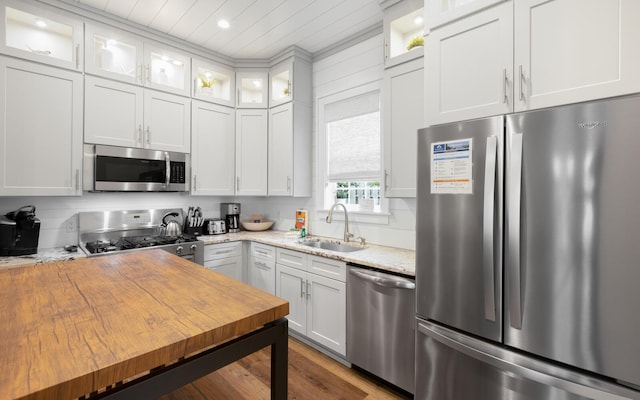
(213, 83)
(252, 89)
(167, 70)
(36, 34)
(113, 54)
(281, 78)
(403, 33)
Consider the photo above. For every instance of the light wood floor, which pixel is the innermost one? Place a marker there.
(312, 375)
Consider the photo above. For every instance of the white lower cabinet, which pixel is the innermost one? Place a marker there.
(41, 130)
(225, 258)
(316, 290)
(261, 268)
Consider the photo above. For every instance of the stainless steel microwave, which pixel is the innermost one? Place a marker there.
(123, 169)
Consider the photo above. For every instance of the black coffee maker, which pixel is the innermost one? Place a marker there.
(231, 212)
(19, 232)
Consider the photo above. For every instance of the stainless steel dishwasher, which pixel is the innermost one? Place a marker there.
(381, 325)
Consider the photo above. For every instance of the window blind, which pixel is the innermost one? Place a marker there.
(353, 138)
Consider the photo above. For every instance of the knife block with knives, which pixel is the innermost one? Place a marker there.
(194, 221)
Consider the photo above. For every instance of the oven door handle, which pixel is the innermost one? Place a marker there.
(167, 162)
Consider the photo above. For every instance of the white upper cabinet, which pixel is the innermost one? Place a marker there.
(212, 149)
(41, 134)
(127, 115)
(281, 78)
(113, 113)
(403, 25)
(167, 120)
(290, 80)
(213, 83)
(252, 89)
(167, 69)
(403, 115)
(531, 54)
(290, 150)
(568, 51)
(113, 54)
(469, 67)
(251, 152)
(440, 12)
(39, 35)
(118, 55)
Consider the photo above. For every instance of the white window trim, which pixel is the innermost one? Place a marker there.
(380, 217)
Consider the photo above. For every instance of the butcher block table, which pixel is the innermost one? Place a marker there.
(131, 326)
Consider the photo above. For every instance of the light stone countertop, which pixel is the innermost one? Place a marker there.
(385, 258)
(391, 259)
(41, 257)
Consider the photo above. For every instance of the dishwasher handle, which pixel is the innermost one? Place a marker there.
(386, 280)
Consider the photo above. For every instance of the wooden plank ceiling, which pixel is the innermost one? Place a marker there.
(259, 28)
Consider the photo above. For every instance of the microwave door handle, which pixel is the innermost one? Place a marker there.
(167, 161)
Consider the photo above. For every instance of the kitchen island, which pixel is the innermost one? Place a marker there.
(128, 325)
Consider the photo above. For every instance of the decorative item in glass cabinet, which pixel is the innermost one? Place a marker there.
(415, 42)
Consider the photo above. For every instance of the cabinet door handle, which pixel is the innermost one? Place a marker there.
(289, 89)
(237, 184)
(138, 137)
(195, 180)
(77, 56)
(302, 289)
(385, 51)
(148, 135)
(522, 82)
(505, 83)
(77, 179)
(195, 86)
(386, 181)
(288, 184)
(238, 98)
(308, 290)
(148, 74)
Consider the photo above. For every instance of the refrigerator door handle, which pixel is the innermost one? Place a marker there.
(520, 366)
(488, 266)
(513, 233)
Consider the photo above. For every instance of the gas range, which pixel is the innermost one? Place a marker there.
(109, 232)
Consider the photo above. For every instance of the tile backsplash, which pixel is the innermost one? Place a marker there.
(59, 215)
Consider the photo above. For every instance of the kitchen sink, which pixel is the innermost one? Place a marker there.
(333, 246)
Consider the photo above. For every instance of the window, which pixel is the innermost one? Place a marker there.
(349, 125)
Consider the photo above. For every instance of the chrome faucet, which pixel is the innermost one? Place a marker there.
(347, 235)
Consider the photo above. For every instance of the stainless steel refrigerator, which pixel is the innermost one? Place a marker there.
(528, 255)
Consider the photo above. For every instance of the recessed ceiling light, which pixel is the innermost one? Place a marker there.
(418, 20)
(41, 23)
(224, 24)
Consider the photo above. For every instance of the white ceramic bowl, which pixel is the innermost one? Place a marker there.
(257, 226)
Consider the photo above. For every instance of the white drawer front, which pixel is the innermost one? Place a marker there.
(222, 250)
(327, 267)
(291, 258)
(263, 251)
